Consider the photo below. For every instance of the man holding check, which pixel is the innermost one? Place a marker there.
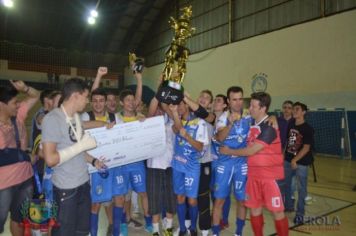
(64, 146)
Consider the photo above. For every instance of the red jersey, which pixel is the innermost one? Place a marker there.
(268, 162)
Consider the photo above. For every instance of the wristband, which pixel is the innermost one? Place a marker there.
(201, 112)
(93, 162)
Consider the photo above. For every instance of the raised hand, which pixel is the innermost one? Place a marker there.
(19, 85)
(102, 71)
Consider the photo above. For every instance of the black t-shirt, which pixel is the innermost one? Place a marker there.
(298, 135)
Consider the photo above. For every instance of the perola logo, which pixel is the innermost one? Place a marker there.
(259, 83)
(39, 214)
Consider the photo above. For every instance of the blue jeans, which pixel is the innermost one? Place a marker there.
(73, 210)
(301, 174)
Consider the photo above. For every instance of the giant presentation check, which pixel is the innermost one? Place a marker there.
(129, 142)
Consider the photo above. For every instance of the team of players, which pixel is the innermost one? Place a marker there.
(205, 151)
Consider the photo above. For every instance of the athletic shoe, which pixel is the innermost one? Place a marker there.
(168, 232)
(155, 234)
(193, 232)
(298, 220)
(183, 233)
(132, 223)
(109, 230)
(205, 233)
(149, 229)
(124, 230)
(223, 224)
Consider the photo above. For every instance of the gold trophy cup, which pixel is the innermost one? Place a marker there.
(136, 63)
(171, 90)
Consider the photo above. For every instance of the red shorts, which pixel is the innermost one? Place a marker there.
(263, 193)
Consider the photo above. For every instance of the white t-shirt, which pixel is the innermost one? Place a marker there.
(207, 157)
(164, 161)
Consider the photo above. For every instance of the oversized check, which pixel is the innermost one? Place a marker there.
(129, 142)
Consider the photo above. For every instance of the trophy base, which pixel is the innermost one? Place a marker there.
(169, 95)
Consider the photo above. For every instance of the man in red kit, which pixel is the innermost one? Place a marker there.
(265, 167)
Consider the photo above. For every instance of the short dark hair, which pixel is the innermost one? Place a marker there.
(207, 91)
(263, 98)
(223, 97)
(7, 93)
(45, 94)
(288, 102)
(73, 85)
(98, 91)
(110, 92)
(234, 89)
(302, 105)
(124, 93)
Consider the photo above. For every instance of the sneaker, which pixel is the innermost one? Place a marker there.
(124, 230)
(168, 232)
(298, 220)
(149, 228)
(183, 233)
(132, 223)
(155, 234)
(223, 224)
(193, 232)
(109, 230)
(308, 198)
(205, 233)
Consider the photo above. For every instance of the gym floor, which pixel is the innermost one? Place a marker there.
(332, 204)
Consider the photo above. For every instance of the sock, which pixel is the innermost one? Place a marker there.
(215, 229)
(187, 223)
(148, 220)
(282, 226)
(193, 212)
(239, 226)
(226, 210)
(257, 225)
(205, 233)
(94, 224)
(117, 214)
(123, 218)
(181, 209)
(169, 223)
(155, 227)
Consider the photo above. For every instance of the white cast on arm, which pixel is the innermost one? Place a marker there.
(86, 143)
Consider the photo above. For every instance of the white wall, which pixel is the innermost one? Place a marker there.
(314, 62)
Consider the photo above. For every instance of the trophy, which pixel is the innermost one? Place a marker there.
(171, 89)
(136, 63)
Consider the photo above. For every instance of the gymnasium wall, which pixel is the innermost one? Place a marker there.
(313, 62)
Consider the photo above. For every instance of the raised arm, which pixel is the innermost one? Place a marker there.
(101, 72)
(32, 94)
(153, 107)
(138, 94)
(198, 110)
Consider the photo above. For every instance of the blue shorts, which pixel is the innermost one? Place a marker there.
(137, 178)
(186, 183)
(120, 181)
(227, 174)
(104, 188)
(101, 188)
